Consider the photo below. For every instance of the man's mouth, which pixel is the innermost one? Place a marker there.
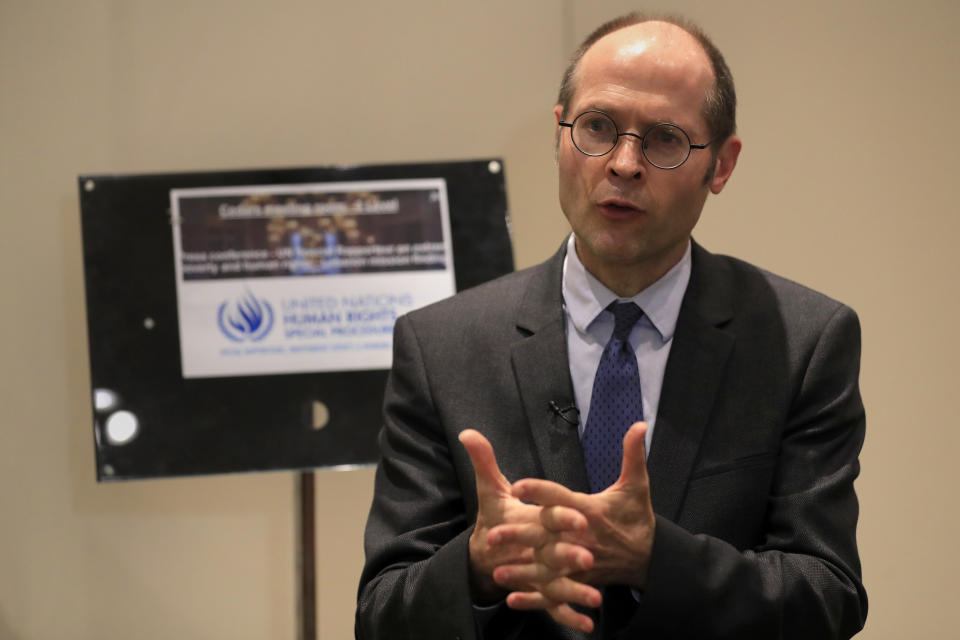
(618, 207)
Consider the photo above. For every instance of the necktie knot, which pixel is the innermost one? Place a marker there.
(625, 314)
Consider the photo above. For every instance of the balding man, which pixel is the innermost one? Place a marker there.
(515, 497)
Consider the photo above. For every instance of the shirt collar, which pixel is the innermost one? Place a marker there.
(585, 297)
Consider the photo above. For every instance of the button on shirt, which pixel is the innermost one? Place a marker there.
(589, 328)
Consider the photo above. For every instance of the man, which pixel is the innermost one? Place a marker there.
(515, 499)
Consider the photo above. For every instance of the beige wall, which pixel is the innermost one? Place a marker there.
(848, 114)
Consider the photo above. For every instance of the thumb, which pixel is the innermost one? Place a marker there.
(634, 470)
(485, 467)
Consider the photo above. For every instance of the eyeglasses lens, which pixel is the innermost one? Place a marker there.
(664, 145)
(594, 133)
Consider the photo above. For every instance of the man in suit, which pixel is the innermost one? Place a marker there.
(515, 499)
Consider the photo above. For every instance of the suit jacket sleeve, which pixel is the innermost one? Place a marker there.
(802, 580)
(415, 581)
(455, 365)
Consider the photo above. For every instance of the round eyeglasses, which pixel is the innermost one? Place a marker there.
(664, 145)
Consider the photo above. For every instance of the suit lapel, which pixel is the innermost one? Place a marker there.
(692, 378)
(542, 374)
(693, 375)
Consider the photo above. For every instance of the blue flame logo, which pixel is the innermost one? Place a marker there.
(247, 319)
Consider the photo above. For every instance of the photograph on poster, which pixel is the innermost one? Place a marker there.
(275, 279)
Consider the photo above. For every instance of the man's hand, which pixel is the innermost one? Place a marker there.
(497, 506)
(582, 540)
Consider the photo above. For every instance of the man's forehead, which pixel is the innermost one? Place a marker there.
(653, 36)
(651, 48)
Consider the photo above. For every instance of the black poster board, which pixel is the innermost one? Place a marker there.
(223, 424)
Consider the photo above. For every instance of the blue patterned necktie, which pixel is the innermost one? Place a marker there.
(616, 402)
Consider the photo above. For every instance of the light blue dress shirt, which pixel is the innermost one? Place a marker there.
(589, 328)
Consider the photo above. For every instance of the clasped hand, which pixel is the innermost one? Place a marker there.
(546, 547)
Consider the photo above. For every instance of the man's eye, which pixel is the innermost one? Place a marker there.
(666, 136)
(597, 125)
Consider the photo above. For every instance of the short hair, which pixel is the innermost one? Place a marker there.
(720, 106)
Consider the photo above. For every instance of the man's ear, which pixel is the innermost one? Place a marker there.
(725, 162)
(558, 114)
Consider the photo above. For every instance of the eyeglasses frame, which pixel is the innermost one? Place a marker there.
(639, 137)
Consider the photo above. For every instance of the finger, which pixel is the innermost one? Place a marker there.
(558, 518)
(565, 558)
(520, 576)
(485, 467)
(529, 600)
(554, 592)
(546, 493)
(634, 469)
(554, 561)
(562, 613)
(567, 615)
(570, 591)
(530, 534)
(510, 554)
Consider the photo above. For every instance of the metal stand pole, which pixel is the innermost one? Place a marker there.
(306, 557)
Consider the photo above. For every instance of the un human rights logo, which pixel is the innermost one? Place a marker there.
(245, 319)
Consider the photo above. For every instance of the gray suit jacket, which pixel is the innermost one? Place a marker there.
(751, 467)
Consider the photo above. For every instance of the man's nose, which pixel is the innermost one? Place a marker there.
(626, 159)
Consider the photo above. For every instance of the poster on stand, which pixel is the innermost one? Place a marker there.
(242, 320)
(276, 279)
